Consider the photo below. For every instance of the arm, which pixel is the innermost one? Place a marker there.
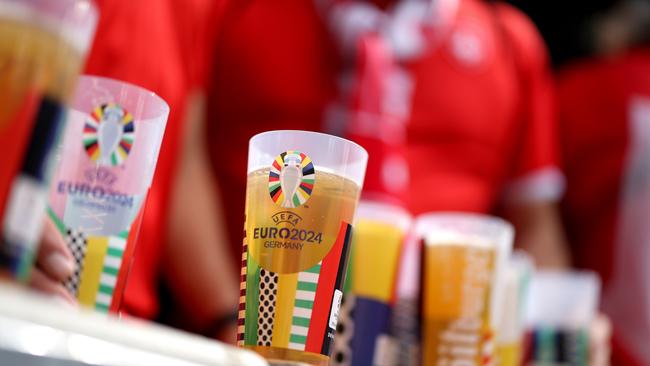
(198, 267)
(539, 232)
(537, 184)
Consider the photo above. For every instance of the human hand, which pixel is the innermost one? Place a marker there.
(54, 264)
(600, 341)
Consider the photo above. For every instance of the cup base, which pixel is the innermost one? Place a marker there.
(285, 356)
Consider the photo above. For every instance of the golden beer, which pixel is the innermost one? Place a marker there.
(33, 60)
(332, 202)
(295, 251)
(457, 282)
(509, 354)
(376, 253)
(38, 70)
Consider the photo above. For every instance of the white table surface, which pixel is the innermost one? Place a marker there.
(35, 328)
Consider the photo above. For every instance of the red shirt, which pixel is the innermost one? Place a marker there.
(482, 121)
(605, 110)
(481, 111)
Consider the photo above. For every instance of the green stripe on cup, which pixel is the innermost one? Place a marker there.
(57, 222)
(307, 286)
(111, 271)
(106, 289)
(252, 301)
(303, 322)
(294, 338)
(114, 252)
(314, 269)
(305, 304)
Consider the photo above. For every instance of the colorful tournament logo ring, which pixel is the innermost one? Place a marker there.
(108, 134)
(291, 179)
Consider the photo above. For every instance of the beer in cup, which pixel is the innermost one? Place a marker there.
(302, 192)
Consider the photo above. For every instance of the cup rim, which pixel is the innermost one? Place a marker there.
(79, 37)
(355, 145)
(157, 98)
(421, 230)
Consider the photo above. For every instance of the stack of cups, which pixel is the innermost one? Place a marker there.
(43, 45)
(363, 334)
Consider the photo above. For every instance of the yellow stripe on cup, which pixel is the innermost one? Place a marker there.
(92, 270)
(376, 247)
(287, 284)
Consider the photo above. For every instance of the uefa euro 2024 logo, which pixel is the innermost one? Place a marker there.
(291, 179)
(108, 134)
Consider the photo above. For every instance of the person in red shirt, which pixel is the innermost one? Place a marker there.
(453, 100)
(461, 109)
(605, 116)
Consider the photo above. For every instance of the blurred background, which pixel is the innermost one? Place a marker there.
(577, 32)
(537, 112)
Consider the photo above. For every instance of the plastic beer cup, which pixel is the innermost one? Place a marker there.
(97, 198)
(363, 336)
(302, 192)
(464, 256)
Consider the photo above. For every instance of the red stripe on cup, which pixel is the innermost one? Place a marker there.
(324, 292)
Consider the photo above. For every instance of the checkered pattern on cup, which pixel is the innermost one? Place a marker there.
(77, 243)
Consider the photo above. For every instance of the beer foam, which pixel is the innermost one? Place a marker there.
(438, 236)
(329, 154)
(338, 173)
(71, 34)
